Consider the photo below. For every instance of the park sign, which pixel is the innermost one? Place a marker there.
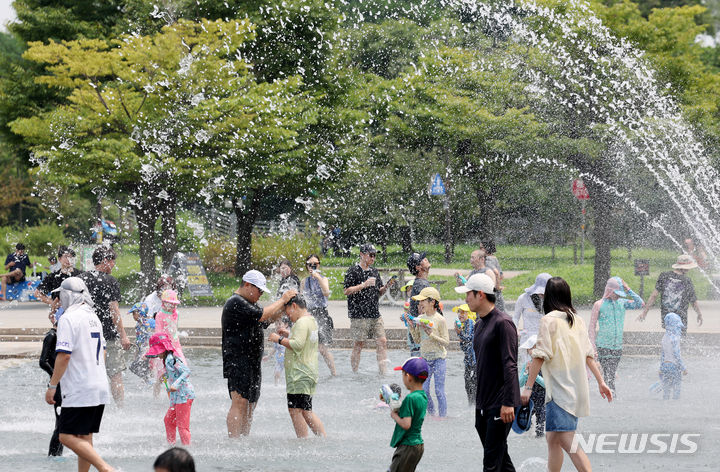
(189, 269)
(437, 187)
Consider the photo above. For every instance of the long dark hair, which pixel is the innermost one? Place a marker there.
(558, 297)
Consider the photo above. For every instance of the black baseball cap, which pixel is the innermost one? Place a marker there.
(414, 260)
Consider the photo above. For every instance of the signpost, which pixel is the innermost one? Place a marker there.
(642, 268)
(581, 193)
(188, 266)
(437, 187)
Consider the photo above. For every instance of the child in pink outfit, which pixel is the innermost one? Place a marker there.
(166, 322)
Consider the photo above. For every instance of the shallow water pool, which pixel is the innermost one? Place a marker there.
(358, 432)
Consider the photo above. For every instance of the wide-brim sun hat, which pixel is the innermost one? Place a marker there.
(465, 307)
(685, 261)
(159, 343)
(522, 421)
(170, 296)
(427, 292)
(538, 288)
(408, 284)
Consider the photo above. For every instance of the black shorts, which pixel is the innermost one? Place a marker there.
(299, 400)
(246, 383)
(325, 325)
(81, 420)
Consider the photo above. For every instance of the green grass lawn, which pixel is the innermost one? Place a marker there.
(534, 259)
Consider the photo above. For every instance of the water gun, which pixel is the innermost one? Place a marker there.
(405, 315)
(458, 323)
(165, 379)
(462, 279)
(427, 323)
(390, 397)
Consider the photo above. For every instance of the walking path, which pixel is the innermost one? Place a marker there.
(23, 324)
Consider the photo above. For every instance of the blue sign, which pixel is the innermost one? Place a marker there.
(437, 187)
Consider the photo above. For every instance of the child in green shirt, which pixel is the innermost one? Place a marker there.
(409, 418)
(301, 366)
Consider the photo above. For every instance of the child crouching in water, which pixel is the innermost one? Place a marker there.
(407, 437)
(672, 367)
(538, 391)
(180, 390)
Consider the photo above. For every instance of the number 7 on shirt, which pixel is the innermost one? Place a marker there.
(97, 353)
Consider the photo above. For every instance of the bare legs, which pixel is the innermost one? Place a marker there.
(560, 442)
(302, 419)
(117, 389)
(87, 455)
(239, 417)
(8, 278)
(329, 360)
(381, 355)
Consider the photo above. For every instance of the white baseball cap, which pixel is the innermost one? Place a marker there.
(256, 278)
(478, 282)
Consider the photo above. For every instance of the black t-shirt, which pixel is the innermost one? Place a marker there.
(243, 338)
(417, 287)
(104, 289)
(676, 293)
(363, 304)
(53, 281)
(21, 262)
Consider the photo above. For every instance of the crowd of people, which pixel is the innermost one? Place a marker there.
(531, 363)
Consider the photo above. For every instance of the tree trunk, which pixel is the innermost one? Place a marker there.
(246, 216)
(486, 202)
(146, 214)
(601, 206)
(448, 237)
(168, 214)
(406, 239)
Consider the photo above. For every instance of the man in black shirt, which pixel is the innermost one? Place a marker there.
(66, 258)
(363, 288)
(243, 339)
(676, 292)
(105, 293)
(498, 391)
(15, 263)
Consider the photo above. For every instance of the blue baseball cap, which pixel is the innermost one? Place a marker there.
(416, 366)
(521, 423)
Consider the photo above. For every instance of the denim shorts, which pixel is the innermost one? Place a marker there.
(557, 419)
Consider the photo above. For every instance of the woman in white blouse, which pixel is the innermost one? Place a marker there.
(563, 350)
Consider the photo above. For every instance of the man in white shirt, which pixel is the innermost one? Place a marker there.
(80, 367)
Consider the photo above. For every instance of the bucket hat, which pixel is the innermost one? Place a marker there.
(685, 261)
(170, 296)
(521, 423)
(159, 343)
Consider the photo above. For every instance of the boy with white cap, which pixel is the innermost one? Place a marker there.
(243, 339)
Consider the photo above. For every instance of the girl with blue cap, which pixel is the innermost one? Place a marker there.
(672, 367)
(608, 315)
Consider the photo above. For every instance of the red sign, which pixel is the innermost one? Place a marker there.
(579, 190)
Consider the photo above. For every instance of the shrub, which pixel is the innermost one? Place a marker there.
(40, 241)
(267, 251)
(219, 255)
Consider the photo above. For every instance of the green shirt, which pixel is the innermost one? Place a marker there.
(301, 359)
(415, 406)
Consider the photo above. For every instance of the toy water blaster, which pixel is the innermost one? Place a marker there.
(390, 397)
(458, 323)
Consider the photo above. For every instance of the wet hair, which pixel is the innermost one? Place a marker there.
(175, 459)
(311, 256)
(20, 247)
(164, 280)
(102, 254)
(62, 250)
(285, 262)
(559, 298)
(299, 300)
(537, 302)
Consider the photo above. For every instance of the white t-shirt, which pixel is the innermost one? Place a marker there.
(154, 303)
(79, 334)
